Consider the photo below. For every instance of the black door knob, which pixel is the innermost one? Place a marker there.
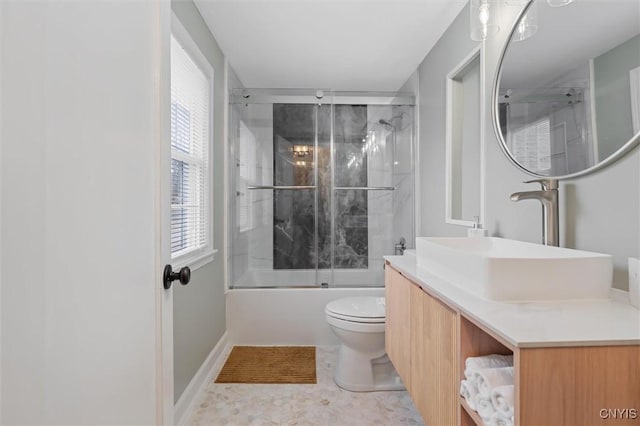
(184, 275)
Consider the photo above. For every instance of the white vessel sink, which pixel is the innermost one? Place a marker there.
(509, 270)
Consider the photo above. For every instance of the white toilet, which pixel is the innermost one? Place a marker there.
(363, 364)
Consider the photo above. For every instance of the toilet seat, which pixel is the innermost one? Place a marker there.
(364, 309)
(354, 324)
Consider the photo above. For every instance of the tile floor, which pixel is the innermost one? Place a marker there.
(321, 404)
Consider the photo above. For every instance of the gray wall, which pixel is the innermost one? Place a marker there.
(612, 94)
(199, 308)
(449, 51)
(600, 212)
(466, 147)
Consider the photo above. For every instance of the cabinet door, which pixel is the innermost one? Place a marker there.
(597, 385)
(397, 335)
(434, 359)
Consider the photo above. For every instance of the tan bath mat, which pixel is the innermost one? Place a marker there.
(270, 364)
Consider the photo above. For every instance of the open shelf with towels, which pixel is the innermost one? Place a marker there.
(558, 385)
(469, 416)
(474, 342)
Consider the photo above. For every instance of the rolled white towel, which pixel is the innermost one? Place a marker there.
(490, 378)
(473, 364)
(499, 419)
(484, 408)
(469, 391)
(502, 399)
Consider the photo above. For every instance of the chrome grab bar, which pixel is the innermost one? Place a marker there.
(366, 188)
(281, 187)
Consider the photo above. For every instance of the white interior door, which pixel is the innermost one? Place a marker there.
(86, 325)
(1, 43)
(165, 391)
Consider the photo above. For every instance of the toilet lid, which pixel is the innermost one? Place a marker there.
(359, 309)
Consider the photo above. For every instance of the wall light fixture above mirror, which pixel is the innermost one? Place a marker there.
(528, 24)
(484, 16)
(483, 19)
(566, 101)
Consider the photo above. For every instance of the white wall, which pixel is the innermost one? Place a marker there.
(80, 130)
(600, 212)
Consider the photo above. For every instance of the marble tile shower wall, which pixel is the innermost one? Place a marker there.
(403, 176)
(274, 243)
(252, 249)
(238, 245)
(351, 207)
(363, 157)
(294, 220)
(381, 141)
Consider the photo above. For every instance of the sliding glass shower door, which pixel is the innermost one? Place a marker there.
(316, 191)
(274, 227)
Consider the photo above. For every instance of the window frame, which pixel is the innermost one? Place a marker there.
(200, 256)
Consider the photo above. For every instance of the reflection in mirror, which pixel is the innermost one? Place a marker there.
(568, 96)
(464, 142)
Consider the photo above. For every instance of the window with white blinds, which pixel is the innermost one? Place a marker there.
(191, 129)
(531, 145)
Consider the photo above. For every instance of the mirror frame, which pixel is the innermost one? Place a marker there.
(479, 53)
(617, 155)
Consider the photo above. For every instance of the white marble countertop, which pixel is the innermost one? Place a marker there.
(536, 324)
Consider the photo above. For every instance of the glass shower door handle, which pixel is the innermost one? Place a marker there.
(365, 188)
(282, 187)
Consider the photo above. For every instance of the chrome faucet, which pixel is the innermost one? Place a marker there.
(400, 247)
(548, 196)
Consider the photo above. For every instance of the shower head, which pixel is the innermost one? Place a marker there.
(389, 122)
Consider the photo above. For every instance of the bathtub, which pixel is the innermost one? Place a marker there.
(287, 316)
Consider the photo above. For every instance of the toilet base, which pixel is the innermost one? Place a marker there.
(356, 373)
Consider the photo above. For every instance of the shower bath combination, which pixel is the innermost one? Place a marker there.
(322, 191)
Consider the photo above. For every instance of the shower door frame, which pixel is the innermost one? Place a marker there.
(330, 98)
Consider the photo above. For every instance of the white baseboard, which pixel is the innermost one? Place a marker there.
(211, 366)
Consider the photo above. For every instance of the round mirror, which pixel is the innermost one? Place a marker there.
(567, 92)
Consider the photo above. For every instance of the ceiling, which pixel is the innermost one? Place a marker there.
(563, 42)
(345, 45)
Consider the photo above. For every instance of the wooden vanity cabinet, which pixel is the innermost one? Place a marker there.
(428, 342)
(397, 322)
(434, 358)
(421, 341)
